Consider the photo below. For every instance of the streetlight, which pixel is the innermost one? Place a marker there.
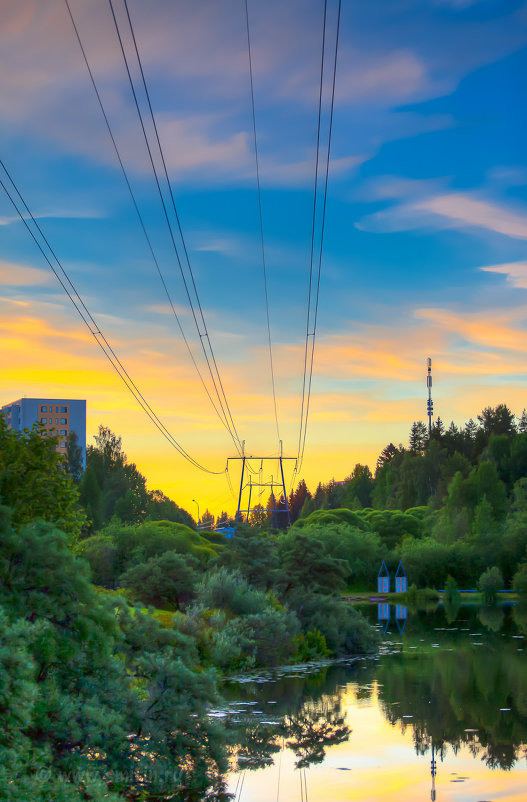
(197, 505)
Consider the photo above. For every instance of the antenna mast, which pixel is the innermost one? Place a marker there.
(429, 403)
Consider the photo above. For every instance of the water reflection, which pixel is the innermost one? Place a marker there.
(454, 681)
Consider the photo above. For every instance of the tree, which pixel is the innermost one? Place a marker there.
(257, 518)
(162, 508)
(169, 578)
(256, 556)
(90, 689)
(297, 499)
(519, 581)
(110, 447)
(498, 420)
(437, 431)
(522, 423)
(490, 583)
(33, 481)
(207, 520)
(306, 563)
(418, 437)
(359, 486)
(387, 455)
(74, 457)
(92, 499)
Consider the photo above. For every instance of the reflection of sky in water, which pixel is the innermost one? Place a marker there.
(379, 761)
(383, 765)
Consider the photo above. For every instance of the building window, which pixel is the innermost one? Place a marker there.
(56, 420)
(63, 432)
(43, 409)
(43, 420)
(56, 409)
(63, 444)
(64, 409)
(63, 420)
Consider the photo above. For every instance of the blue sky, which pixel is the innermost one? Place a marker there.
(426, 227)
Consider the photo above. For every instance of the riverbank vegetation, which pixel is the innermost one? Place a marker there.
(118, 617)
(103, 696)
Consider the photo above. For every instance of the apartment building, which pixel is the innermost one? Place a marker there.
(57, 416)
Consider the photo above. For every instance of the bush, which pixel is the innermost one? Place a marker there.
(323, 518)
(118, 547)
(452, 594)
(229, 590)
(345, 629)
(169, 579)
(519, 580)
(310, 646)
(490, 583)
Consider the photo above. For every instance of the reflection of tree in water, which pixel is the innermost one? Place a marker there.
(492, 617)
(319, 724)
(257, 745)
(316, 723)
(473, 697)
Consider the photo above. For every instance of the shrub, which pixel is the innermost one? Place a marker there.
(229, 590)
(310, 646)
(519, 580)
(490, 583)
(452, 594)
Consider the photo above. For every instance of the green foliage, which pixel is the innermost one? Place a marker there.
(519, 580)
(452, 595)
(255, 555)
(168, 579)
(340, 516)
(345, 629)
(74, 456)
(91, 689)
(490, 583)
(113, 487)
(419, 598)
(360, 550)
(33, 481)
(392, 526)
(124, 546)
(229, 590)
(310, 646)
(306, 562)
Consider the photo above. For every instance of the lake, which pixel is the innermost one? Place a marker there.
(441, 714)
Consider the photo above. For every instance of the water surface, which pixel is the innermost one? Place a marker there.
(440, 714)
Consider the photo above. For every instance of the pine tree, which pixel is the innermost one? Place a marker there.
(522, 423)
(418, 437)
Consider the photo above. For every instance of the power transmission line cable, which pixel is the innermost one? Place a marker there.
(310, 345)
(89, 320)
(319, 269)
(138, 212)
(203, 335)
(260, 216)
(315, 190)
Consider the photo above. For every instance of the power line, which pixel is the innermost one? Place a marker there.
(86, 316)
(260, 215)
(315, 190)
(310, 343)
(203, 335)
(138, 212)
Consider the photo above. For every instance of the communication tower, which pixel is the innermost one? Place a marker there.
(429, 403)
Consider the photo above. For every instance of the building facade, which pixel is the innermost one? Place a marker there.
(56, 416)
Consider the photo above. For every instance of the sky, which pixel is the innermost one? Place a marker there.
(425, 238)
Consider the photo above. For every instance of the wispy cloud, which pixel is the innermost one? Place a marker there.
(466, 210)
(16, 275)
(425, 204)
(515, 272)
